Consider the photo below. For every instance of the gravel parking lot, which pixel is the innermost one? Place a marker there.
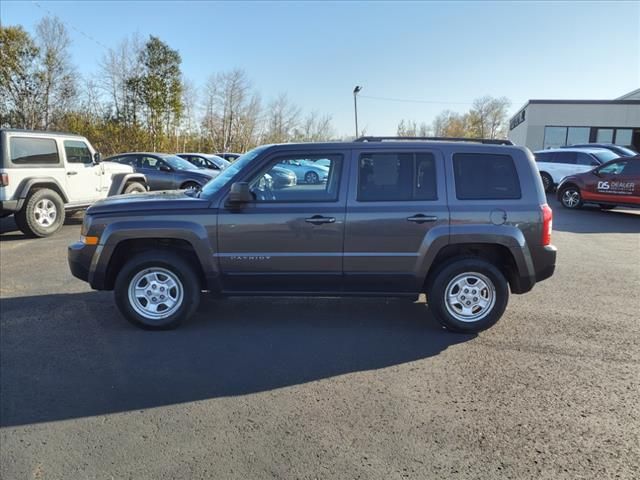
(326, 388)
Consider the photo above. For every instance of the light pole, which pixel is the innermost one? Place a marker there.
(355, 105)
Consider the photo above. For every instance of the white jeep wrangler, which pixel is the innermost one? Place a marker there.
(44, 174)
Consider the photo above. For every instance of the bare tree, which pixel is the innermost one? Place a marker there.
(282, 119)
(314, 128)
(58, 75)
(488, 117)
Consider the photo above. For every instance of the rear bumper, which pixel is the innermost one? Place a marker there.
(546, 262)
(541, 266)
(10, 206)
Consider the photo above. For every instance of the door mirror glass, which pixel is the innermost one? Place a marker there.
(165, 168)
(97, 158)
(240, 193)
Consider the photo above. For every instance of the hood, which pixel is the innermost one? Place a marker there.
(204, 173)
(163, 200)
(114, 167)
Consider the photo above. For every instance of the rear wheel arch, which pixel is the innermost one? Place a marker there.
(33, 184)
(496, 254)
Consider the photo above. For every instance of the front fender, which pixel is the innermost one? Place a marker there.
(115, 233)
(119, 181)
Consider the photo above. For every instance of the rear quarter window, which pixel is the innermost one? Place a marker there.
(33, 151)
(480, 176)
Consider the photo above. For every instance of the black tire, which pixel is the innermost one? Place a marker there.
(30, 219)
(547, 181)
(604, 206)
(163, 260)
(438, 287)
(134, 187)
(570, 197)
(311, 178)
(188, 185)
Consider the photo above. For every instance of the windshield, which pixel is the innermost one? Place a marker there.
(178, 163)
(228, 173)
(605, 155)
(219, 161)
(627, 152)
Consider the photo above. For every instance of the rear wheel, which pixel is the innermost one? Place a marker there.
(547, 181)
(134, 187)
(190, 185)
(157, 290)
(468, 295)
(570, 197)
(42, 214)
(312, 178)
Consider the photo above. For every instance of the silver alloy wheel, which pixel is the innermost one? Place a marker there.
(45, 212)
(155, 293)
(571, 198)
(312, 178)
(470, 297)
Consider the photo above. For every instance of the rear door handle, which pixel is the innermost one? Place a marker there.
(72, 173)
(421, 218)
(319, 220)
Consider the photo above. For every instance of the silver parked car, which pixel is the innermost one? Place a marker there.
(307, 171)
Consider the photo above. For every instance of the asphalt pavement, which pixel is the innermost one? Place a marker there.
(325, 388)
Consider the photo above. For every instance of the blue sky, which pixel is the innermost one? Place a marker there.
(317, 51)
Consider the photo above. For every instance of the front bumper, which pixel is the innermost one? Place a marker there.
(79, 257)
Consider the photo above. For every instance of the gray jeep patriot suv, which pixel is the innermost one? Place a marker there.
(464, 222)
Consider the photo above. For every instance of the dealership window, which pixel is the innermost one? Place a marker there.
(624, 136)
(577, 135)
(555, 137)
(604, 135)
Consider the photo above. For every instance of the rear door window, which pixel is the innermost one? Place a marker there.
(546, 157)
(586, 159)
(33, 151)
(485, 177)
(570, 158)
(389, 177)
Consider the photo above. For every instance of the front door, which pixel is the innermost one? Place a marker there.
(84, 178)
(290, 238)
(395, 199)
(160, 175)
(615, 182)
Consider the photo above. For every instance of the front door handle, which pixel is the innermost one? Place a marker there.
(421, 218)
(319, 220)
(72, 173)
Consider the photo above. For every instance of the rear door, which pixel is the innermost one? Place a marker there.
(396, 198)
(290, 239)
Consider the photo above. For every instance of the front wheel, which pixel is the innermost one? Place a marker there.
(134, 187)
(157, 290)
(570, 197)
(468, 295)
(190, 185)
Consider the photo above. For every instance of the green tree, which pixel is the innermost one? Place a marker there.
(21, 80)
(160, 88)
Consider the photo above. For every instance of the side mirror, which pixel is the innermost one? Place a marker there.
(596, 172)
(97, 158)
(240, 193)
(165, 168)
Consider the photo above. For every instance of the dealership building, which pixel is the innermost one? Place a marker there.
(554, 123)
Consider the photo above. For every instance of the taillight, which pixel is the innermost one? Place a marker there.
(547, 224)
(4, 179)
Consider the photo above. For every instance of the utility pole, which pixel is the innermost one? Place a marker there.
(355, 105)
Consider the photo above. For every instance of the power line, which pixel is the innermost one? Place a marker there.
(406, 100)
(86, 35)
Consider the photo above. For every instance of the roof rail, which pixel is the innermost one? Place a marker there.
(486, 141)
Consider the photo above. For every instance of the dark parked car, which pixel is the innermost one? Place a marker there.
(466, 223)
(232, 157)
(616, 183)
(617, 149)
(205, 160)
(166, 172)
